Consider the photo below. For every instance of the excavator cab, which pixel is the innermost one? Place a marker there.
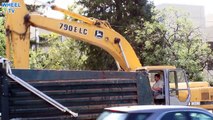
(175, 89)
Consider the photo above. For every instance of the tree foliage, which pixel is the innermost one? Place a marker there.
(2, 37)
(3, 1)
(123, 15)
(173, 40)
(57, 54)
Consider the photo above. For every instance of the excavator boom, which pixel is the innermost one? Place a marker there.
(95, 32)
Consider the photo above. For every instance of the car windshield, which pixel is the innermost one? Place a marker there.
(109, 115)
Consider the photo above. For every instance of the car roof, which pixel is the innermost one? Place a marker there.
(148, 108)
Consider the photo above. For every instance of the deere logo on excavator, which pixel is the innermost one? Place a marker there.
(9, 7)
(99, 34)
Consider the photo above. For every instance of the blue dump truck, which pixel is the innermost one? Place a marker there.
(86, 93)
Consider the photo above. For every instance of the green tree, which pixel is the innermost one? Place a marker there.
(173, 40)
(123, 15)
(3, 1)
(2, 37)
(40, 8)
(56, 53)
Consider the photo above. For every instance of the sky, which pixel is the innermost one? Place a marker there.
(61, 3)
(49, 12)
(208, 4)
(64, 3)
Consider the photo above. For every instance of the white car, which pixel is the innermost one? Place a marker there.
(154, 112)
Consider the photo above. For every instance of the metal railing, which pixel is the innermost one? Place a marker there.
(6, 65)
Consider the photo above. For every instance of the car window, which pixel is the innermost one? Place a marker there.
(175, 116)
(108, 115)
(200, 116)
(186, 116)
(138, 116)
(180, 116)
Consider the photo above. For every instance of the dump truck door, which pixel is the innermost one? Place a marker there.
(177, 89)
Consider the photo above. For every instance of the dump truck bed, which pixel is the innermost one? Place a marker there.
(84, 92)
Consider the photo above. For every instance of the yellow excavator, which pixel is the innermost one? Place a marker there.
(177, 90)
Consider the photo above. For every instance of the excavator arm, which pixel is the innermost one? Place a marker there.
(92, 31)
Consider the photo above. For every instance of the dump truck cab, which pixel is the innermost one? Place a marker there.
(176, 89)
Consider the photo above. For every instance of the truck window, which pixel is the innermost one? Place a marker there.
(178, 85)
(152, 76)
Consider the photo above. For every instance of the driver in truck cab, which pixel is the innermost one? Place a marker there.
(157, 89)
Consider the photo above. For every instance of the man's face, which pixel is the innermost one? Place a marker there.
(157, 78)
